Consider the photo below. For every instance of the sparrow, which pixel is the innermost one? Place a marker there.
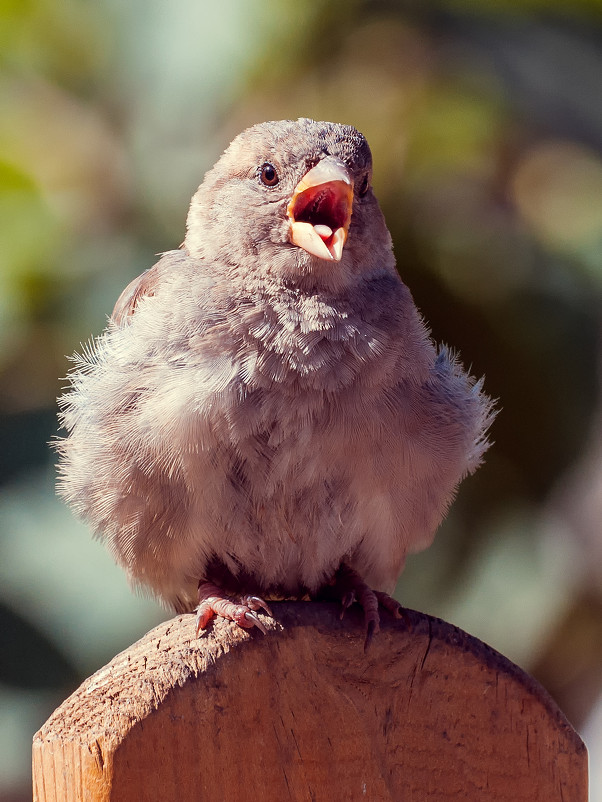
(266, 415)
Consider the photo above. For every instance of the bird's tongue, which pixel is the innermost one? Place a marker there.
(323, 231)
(320, 210)
(319, 240)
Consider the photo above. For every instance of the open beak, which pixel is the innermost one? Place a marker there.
(320, 209)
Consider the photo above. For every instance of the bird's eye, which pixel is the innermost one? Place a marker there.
(268, 175)
(364, 186)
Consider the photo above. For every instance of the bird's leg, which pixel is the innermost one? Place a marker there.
(213, 601)
(350, 587)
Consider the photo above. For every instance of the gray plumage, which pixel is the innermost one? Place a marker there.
(255, 407)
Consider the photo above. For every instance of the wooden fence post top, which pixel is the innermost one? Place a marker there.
(302, 713)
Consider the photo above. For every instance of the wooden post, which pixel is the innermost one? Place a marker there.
(302, 713)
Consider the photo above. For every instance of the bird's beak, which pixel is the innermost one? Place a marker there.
(320, 209)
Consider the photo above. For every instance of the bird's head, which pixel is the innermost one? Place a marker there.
(292, 199)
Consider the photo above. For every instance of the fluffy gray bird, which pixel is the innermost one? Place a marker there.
(266, 415)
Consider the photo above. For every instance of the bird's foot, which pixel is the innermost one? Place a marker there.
(350, 588)
(243, 611)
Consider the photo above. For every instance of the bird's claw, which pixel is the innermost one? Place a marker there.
(257, 603)
(352, 588)
(212, 601)
(254, 621)
(203, 615)
(372, 628)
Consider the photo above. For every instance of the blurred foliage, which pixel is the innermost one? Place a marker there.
(486, 126)
(23, 649)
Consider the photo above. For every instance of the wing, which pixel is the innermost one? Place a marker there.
(145, 286)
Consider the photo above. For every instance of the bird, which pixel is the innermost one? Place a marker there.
(266, 415)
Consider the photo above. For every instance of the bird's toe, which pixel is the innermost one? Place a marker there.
(213, 602)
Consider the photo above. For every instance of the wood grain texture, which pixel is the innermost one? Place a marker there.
(302, 713)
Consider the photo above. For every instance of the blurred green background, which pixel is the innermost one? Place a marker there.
(485, 121)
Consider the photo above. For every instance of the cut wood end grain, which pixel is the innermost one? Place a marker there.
(303, 713)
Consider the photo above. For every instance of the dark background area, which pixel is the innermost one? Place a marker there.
(485, 121)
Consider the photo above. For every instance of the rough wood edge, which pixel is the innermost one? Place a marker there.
(189, 655)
